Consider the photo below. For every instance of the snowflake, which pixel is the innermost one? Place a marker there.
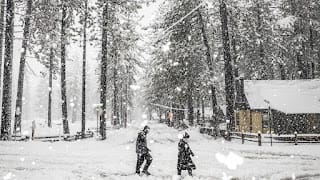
(225, 176)
(232, 160)
(166, 47)
(8, 176)
(144, 116)
(178, 89)
(72, 104)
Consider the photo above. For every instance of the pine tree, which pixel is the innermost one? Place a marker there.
(18, 111)
(228, 66)
(7, 74)
(300, 40)
(63, 69)
(50, 87)
(178, 72)
(83, 115)
(209, 62)
(43, 42)
(2, 13)
(104, 61)
(122, 53)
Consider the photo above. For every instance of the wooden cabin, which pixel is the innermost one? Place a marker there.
(282, 106)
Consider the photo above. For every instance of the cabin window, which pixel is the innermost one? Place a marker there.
(265, 120)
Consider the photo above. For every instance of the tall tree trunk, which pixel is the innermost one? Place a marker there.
(115, 109)
(160, 115)
(103, 78)
(210, 65)
(121, 107)
(229, 88)
(302, 72)
(202, 106)
(2, 11)
(125, 115)
(234, 26)
(190, 104)
(83, 117)
(198, 110)
(311, 41)
(261, 55)
(18, 112)
(282, 72)
(7, 73)
(63, 70)
(50, 87)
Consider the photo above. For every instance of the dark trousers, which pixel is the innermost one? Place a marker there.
(140, 160)
(189, 166)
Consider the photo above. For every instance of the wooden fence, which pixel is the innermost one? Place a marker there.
(262, 138)
(78, 135)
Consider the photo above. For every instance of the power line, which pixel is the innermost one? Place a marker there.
(167, 107)
(165, 32)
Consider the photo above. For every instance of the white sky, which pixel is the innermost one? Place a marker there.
(149, 12)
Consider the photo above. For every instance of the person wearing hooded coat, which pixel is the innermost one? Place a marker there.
(143, 152)
(184, 156)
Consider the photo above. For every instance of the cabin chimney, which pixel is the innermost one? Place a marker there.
(240, 96)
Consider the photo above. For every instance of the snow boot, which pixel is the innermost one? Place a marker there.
(146, 172)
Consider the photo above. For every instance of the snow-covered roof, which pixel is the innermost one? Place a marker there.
(288, 96)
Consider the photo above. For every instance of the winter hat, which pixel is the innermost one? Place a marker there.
(146, 127)
(186, 135)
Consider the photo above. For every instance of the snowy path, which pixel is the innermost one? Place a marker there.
(115, 158)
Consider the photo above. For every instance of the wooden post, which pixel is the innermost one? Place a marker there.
(270, 124)
(33, 129)
(242, 138)
(259, 139)
(295, 138)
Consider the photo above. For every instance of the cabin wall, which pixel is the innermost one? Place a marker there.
(300, 123)
(253, 121)
(256, 121)
(245, 121)
(248, 121)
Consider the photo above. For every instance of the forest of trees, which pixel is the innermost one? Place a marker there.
(49, 29)
(196, 62)
(199, 48)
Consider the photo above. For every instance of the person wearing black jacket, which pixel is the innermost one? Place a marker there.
(143, 152)
(184, 156)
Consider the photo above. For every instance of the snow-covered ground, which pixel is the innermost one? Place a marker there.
(115, 158)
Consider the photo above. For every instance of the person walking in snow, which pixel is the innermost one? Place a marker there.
(143, 152)
(184, 156)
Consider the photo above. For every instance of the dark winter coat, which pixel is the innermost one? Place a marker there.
(184, 156)
(141, 144)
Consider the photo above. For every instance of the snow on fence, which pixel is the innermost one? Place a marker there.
(266, 138)
(263, 138)
(78, 135)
